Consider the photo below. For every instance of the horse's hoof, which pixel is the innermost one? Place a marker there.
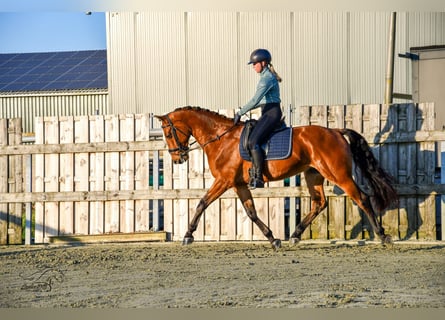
(276, 244)
(386, 239)
(294, 241)
(187, 241)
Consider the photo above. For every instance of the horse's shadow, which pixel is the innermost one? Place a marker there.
(408, 207)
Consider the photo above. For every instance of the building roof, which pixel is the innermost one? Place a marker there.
(48, 71)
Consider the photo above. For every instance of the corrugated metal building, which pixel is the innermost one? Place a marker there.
(158, 61)
(53, 84)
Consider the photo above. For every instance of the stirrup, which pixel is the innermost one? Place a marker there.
(256, 183)
(255, 180)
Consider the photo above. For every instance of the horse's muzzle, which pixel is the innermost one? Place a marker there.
(183, 157)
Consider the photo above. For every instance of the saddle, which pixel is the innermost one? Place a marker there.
(277, 147)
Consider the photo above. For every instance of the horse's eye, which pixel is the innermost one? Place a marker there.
(168, 135)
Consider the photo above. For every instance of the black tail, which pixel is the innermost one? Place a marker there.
(380, 181)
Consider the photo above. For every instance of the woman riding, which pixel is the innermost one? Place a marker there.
(267, 97)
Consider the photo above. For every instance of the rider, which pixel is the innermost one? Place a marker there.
(267, 97)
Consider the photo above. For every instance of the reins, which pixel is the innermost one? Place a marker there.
(186, 149)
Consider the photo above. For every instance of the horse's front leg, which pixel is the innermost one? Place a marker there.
(246, 199)
(216, 190)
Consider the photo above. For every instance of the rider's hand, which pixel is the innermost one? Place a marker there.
(236, 119)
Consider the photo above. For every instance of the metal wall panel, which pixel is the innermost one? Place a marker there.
(368, 33)
(30, 105)
(121, 61)
(158, 61)
(212, 59)
(320, 52)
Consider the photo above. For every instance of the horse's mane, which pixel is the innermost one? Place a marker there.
(201, 110)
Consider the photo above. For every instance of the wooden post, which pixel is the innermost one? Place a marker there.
(112, 174)
(96, 208)
(66, 224)
(127, 173)
(15, 182)
(81, 178)
(3, 182)
(39, 185)
(51, 178)
(142, 174)
(28, 205)
(442, 181)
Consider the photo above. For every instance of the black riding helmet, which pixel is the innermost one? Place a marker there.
(259, 55)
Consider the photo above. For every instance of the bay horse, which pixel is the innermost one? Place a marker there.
(319, 153)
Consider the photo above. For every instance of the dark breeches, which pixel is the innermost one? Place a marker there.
(266, 124)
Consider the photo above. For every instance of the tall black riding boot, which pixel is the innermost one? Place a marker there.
(256, 173)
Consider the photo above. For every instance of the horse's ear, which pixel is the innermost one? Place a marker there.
(160, 118)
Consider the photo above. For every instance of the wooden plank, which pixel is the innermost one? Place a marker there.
(196, 181)
(209, 222)
(271, 192)
(112, 172)
(305, 202)
(81, 178)
(276, 213)
(4, 212)
(409, 215)
(120, 146)
(157, 213)
(336, 205)
(388, 159)
(15, 183)
(168, 203)
(51, 178)
(442, 181)
(396, 137)
(127, 173)
(142, 168)
(354, 217)
(107, 238)
(227, 206)
(426, 160)
(66, 176)
(180, 206)
(96, 216)
(39, 185)
(294, 208)
(319, 227)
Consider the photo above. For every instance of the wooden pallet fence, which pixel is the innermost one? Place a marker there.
(99, 175)
(401, 138)
(92, 171)
(11, 181)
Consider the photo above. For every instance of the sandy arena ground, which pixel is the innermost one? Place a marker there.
(211, 275)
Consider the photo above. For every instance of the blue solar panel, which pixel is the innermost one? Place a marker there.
(53, 71)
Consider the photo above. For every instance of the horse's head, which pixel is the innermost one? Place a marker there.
(177, 136)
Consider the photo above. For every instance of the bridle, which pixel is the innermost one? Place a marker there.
(184, 150)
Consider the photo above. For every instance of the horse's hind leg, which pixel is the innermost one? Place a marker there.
(246, 199)
(314, 182)
(363, 201)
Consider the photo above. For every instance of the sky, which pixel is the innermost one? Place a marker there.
(23, 32)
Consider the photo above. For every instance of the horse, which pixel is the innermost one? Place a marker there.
(318, 152)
